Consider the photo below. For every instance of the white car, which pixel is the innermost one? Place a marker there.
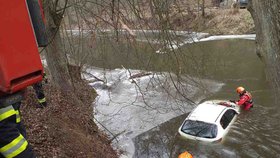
(209, 121)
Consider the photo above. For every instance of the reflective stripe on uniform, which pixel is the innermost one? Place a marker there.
(15, 147)
(7, 112)
(42, 100)
(18, 117)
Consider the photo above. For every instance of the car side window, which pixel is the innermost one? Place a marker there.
(227, 117)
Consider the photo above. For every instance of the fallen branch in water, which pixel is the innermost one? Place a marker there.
(141, 74)
(95, 78)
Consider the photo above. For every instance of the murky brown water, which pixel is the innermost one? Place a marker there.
(233, 62)
(254, 134)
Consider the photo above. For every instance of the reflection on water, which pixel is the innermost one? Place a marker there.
(233, 62)
(227, 59)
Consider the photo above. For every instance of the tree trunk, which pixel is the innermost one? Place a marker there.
(115, 12)
(203, 8)
(152, 7)
(235, 7)
(266, 15)
(56, 57)
(215, 3)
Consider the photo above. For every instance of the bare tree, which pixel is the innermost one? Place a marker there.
(56, 58)
(55, 55)
(203, 8)
(88, 17)
(266, 15)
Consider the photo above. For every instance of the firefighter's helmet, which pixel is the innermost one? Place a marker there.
(185, 155)
(240, 90)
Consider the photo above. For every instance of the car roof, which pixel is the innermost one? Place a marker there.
(207, 112)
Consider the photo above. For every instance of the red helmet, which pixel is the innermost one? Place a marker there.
(240, 90)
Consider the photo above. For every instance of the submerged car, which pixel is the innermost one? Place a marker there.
(209, 121)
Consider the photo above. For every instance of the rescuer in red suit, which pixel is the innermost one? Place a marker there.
(245, 98)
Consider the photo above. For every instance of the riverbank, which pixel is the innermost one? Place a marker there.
(217, 21)
(63, 129)
(225, 22)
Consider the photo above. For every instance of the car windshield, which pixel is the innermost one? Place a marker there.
(199, 129)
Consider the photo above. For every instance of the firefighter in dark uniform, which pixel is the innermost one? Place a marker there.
(13, 141)
(38, 87)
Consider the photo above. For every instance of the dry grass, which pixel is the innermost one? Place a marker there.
(216, 21)
(224, 21)
(219, 21)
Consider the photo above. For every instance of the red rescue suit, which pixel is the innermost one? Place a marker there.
(245, 100)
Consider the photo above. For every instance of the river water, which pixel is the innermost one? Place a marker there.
(143, 114)
(254, 134)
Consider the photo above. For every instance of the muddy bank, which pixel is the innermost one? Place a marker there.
(63, 129)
